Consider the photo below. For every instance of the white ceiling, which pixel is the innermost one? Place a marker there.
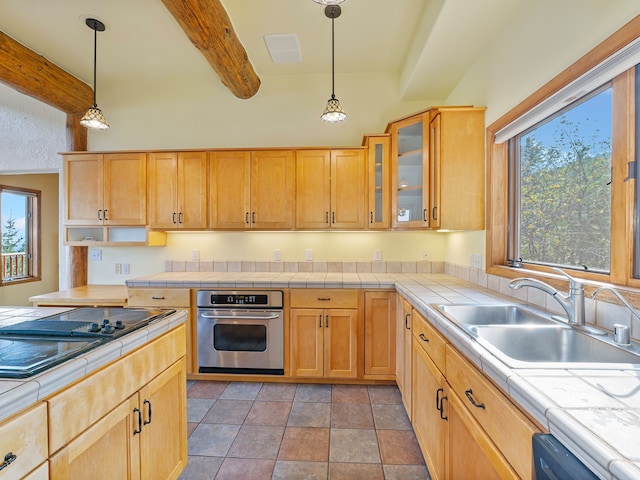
(429, 44)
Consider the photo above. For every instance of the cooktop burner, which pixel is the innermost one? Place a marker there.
(87, 322)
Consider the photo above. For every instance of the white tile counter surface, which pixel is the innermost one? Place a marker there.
(595, 413)
(18, 394)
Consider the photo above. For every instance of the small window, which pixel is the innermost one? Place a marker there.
(560, 187)
(19, 224)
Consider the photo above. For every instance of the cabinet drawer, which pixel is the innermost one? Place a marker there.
(509, 429)
(110, 386)
(24, 435)
(158, 297)
(324, 298)
(429, 339)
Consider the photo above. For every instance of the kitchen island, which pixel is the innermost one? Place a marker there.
(73, 412)
(595, 413)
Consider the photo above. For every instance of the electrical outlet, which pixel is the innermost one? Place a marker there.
(377, 255)
(425, 255)
(125, 268)
(95, 254)
(118, 268)
(277, 255)
(308, 254)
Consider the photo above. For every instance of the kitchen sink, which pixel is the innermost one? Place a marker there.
(523, 338)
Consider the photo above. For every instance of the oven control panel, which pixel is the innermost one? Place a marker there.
(248, 298)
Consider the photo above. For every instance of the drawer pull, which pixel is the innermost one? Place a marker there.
(423, 338)
(157, 298)
(148, 404)
(324, 299)
(9, 458)
(137, 410)
(406, 321)
(469, 394)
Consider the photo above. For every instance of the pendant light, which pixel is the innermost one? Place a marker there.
(333, 111)
(328, 2)
(94, 117)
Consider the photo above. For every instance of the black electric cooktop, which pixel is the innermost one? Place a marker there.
(31, 346)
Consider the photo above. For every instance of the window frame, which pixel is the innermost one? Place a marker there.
(622, 193)
(32, 236)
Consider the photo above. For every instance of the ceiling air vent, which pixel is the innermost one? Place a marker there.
(283, 48)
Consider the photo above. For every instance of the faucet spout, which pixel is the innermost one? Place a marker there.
(572, 303)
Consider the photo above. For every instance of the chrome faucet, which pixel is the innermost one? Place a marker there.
(621, 333)
(572, 302)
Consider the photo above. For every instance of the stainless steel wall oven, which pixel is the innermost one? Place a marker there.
(240, 331)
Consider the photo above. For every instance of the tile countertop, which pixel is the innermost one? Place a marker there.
(595, 413)
(18, 394)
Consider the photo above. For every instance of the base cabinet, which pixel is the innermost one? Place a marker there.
(403, 352)
(379, 335)
(25, 437)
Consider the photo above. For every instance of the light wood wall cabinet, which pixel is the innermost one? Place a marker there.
(378, 181)
(130, 421)
(105, 189)
(437, 169)
(178, 190)
(380, 335)
(465, 426)
(325, 326)
(252, 190)
(331, 189)
(403, 351)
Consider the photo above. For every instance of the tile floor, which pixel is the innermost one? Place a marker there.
(255, 431)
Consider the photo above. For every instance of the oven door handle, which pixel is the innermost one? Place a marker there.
(271, 316)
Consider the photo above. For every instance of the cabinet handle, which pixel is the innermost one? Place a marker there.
(326, 321)
(423, 338)
(326, 218)
(246, 217)
(148, 404)
(9, 458)
(105, 214)
(320, 321)
(253, 217)
(424, 215)
(173, 218)
(434, 213)
(100, 215)
(333, 217)
(324, 299)
(157, 298)
(406, 321)
(469, 394)
(438, 399)
(371, 218)
(137, 410)
(180, 217)
(442, 415)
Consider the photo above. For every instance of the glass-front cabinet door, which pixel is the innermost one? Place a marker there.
(410, 173)
(379, 181)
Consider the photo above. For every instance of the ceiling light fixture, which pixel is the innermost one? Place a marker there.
(333, 111)
(94, 117)
(329, 2)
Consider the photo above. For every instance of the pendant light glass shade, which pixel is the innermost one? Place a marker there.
(94, 117)
(333, 111)
(328, 2)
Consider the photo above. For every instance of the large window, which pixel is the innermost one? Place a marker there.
(19, 224)
(560, 187)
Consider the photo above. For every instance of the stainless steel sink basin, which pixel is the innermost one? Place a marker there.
(524, 338)
(562, 346)
(468, 314)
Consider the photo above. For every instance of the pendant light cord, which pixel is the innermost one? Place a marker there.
(333, 59)
(95, 61)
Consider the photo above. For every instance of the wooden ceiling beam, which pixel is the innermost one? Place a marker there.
(32, 74)
(207, 25)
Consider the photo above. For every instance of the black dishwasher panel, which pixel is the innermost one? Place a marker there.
(552, 461)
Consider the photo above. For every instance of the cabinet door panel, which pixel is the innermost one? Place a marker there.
(313, 184)
(163, 405)
(229, 189)
(348, 189)
(125, 189)
(83, 189)
(108, 450)
(307, 342)
(192, 190)
(25, 436)
(272, 190)
(341, 343)
(379, 333)
(163, 186)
